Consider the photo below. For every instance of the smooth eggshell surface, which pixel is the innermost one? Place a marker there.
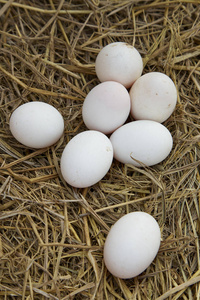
(153, 97)
(131, 244)
(119, 62)
(146, 141)
(36, 124)
(106, 107)
(86, 158)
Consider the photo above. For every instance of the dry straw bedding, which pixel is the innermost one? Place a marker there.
(52, 235)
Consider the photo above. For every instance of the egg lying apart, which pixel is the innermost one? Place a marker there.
(131, 244)
(37, 124)
(86, 158)
(146, 141)
(119, 62)
(153, 97)
(106, 107)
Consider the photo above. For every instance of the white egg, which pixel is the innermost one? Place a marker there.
(146, 141)
(153, 97)
(132, 244)
(106, 107)
(86, 158)
(119, 62)
(36, 124)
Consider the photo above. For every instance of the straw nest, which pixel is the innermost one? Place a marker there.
(52, 235)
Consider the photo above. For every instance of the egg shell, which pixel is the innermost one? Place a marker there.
(132, 244)
(106, 107)
(119, 62)
(146, 141)
(36, 124)
(153, 97)
(86, 158)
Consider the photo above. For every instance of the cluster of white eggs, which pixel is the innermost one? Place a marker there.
(150, 99)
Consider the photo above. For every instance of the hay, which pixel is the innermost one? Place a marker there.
(52, 235)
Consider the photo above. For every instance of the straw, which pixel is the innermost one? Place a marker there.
(51, 234)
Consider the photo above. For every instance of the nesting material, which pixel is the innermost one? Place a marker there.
(51, 234)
